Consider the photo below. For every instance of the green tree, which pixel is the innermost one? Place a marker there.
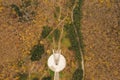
(37, 52)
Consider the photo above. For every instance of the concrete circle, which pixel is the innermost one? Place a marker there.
(61, 65)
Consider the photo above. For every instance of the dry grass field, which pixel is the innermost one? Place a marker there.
(21, 26)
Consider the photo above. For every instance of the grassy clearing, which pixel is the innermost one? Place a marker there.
(66, 42)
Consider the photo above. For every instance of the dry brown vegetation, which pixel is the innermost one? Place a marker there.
(101, 32)
(17, 37)
(101, 35)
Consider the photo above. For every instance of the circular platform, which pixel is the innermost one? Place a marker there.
(60, 66)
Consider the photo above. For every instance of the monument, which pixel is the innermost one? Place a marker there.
(56, 62)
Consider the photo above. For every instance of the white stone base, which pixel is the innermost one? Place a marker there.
(60, 66)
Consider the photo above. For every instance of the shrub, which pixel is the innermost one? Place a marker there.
(45, 32)
(77, 16)
(70, 29)
(47, 78)
(56, 34)
(35, 78)
(25, 11)
(78, 74)
(75, 36)
(51, 73)
(20, 63)
(72, 36)
(57, 12)
(37, 52)
(70, 4)
(23, 76)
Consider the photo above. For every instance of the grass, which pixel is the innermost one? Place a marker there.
(66, 42)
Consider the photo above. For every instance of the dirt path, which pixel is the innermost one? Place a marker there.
(101, 32)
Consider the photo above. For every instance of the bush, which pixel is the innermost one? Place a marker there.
(78, 74)
(20, 63)
(77, 16)
(47, 78)
(51, 73)
(57, 12)
(70, 29)
(37, 52)
(23, 76)
(25, 11)
(70, 4)
(56, 34)
(45, 32)
(35, 78)
(72, 36)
